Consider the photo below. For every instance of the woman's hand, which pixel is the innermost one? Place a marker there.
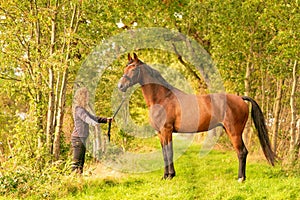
(109, 119)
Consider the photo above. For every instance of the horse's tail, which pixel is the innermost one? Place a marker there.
(260, 125)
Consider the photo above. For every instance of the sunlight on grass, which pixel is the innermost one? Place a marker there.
(211, 177)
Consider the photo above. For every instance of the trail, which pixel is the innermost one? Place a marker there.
(102, 172)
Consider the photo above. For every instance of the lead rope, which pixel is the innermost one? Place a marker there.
(114, 115)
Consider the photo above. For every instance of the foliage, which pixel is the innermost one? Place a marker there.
(21, 181)
(43, 42)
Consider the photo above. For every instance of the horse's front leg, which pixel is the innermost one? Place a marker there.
(165, 137)
(169, 151)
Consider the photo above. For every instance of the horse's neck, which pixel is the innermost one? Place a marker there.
(154, 87)
(155, 93)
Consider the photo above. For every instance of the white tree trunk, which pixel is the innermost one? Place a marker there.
(52, 95)
(247, 135)
(59, 116)
(293, 141)
(277, 109)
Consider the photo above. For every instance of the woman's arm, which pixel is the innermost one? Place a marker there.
(87, 117)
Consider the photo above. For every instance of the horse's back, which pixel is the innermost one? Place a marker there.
(198, 113)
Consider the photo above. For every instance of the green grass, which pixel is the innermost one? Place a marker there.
(211, 177)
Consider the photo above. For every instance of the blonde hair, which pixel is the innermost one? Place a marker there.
(81, 98)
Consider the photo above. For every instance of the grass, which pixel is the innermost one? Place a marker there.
(211, 177)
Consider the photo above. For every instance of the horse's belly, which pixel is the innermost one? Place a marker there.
(195, 115)
(192, 123)
(188, 119)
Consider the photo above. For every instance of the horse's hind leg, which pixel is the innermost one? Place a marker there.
(242, 152)
(242, 155)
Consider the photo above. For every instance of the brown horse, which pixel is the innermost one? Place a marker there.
(172, 110)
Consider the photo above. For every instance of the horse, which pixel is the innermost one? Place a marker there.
(172, 110)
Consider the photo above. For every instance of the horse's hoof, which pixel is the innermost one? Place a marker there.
(165, 177)
(171, 176)
(241, 180)
(168, 176)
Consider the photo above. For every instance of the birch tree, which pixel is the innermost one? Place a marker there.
(295, 140)
(43, 45)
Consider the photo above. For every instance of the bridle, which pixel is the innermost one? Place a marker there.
(136, 74)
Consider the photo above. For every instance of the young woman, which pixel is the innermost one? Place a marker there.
(82, 120)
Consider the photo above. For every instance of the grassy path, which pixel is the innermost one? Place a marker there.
(211, 177)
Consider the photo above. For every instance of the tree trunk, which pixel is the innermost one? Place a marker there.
(248, 131)
(98, 143)
(297, 146)
(59, 116)
(62, 96)
(202, 86)
(50, 112)
(51, 97)
(39, 114)
(293, 141)
(38, 93)
(277, 109)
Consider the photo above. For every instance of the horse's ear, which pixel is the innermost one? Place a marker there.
(135, 57)
(129, 57)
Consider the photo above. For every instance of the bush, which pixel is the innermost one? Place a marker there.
(43, 183)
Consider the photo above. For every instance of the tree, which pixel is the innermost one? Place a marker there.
(295, 138)
(43, 53)
(43, 43)
(281, 52)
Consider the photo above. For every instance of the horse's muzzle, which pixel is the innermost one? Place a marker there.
(122, 86)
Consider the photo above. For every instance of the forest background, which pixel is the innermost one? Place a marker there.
(254, 44)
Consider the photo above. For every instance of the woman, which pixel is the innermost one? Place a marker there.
(82, 120)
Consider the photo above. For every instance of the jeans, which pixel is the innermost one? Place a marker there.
(79, 149)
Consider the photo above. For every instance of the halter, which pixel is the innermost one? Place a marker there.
(130, 79)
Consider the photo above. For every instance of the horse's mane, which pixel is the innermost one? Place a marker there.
(157, 76)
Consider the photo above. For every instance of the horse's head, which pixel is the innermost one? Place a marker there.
(132, 73)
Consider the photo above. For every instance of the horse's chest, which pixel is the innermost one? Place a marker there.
(158, 116)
